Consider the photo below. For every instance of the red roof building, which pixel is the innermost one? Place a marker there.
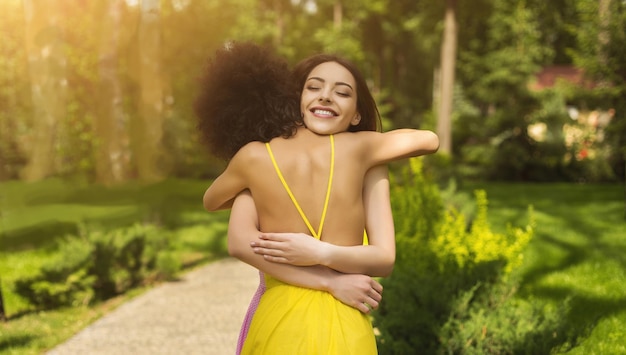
(549, 76)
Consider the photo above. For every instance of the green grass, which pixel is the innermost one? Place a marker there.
(36, 214)
(578, 255)
(35, 217)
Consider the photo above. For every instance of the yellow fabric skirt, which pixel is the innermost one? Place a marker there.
(298, 321)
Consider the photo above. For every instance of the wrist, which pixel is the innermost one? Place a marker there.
(328, 280)
(325, 254)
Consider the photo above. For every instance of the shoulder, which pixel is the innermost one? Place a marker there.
(361, 139)
(250, 152)
(247, 157)
(356, 136)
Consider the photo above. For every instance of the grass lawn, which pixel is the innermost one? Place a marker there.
(578, 254)
(35, 217)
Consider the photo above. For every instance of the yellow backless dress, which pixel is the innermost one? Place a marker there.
(292, 320)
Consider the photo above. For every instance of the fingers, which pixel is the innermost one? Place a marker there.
(276, 259)
(377, 286)
(363, 307)
(278, 237)
(371, 302)
(267, 251)
(369, 305)
(267, 248)
(265, 244)
(275, 256)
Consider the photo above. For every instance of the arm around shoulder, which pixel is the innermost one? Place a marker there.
(399, 144)
(416, 142)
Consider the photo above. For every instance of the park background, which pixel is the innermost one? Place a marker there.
(511, 238)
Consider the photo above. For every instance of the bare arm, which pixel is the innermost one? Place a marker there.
(224, 189)
(380, 148)
(375, 259)
(351, 289)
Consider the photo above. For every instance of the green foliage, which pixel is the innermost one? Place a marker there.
(467, 249)
(421, 199)
(168, 265)
(451, 290)
(63, 279)
(490, 140)
(99, 265)
(600, 40)
(487, 319)
(495, 68)
(502, 45)
(575, 262)
(36, 219)
(600, 49)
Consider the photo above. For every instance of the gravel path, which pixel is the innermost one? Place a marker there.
(200, 314)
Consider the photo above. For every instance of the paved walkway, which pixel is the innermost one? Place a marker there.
(200, 314)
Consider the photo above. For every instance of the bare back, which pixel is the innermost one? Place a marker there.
(305, 161)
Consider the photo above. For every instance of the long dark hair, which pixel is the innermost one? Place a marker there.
(246, 94)
(365, 104)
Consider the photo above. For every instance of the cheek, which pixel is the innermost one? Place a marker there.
(351, 111)
(304, 101)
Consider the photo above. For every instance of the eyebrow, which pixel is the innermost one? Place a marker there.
(336, 83)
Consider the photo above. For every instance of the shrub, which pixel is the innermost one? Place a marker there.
(98, 265)
(480, 244)
(63, 280)
(168, 264)
(452, 290)
(488, 319)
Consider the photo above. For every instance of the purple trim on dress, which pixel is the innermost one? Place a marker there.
(254, 303)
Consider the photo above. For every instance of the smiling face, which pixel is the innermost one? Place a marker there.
(329, 99)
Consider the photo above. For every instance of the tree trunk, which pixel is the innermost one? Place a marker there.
(46, 64)
(111, 125)
(148, 128)
(448, 60)
(280, 24)
(337, 15)
(604, 35)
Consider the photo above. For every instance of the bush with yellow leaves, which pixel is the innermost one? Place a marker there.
(480, 244)
(451, 290)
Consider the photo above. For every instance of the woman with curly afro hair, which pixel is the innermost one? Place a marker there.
(247, 94)
(302, 140)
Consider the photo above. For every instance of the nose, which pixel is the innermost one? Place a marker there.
(324, 98)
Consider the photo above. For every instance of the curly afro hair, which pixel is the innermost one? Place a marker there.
(246, 94)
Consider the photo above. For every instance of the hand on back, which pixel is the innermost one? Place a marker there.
(290, 248)
(355, 290)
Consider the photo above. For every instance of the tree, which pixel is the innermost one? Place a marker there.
(111, 125)
(47, 65)
(494, 70)
(14, 90)
(147, 129)
(600, 51)
(448, 61)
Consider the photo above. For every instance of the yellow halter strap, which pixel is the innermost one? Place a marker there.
(317, 234)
